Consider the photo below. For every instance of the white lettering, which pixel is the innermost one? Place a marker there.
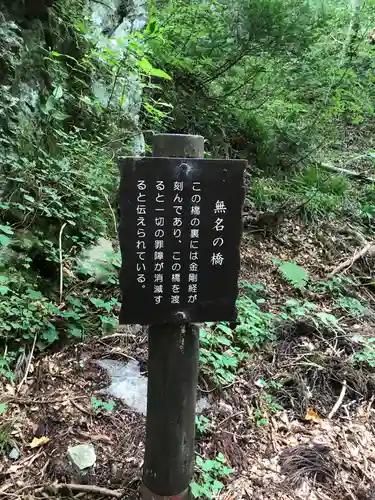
(218, 242)
(220, 207)
(219, 226)
(217, 259)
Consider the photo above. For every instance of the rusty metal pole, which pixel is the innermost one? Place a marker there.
(172, 380)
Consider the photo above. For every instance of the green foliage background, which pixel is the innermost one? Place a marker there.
(286, 84)
(58, 149)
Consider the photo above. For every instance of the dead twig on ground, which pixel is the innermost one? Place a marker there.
(28, 364)
(85, 488)
(29, 401)
(350, 173)
(339, 401)
(61, 260)
(219, 425)
(368, 248)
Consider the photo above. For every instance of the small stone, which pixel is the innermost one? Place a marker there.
(14, 454)
(82, 455)
(202, 404)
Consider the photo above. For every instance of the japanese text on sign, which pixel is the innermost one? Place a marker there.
(180, 230)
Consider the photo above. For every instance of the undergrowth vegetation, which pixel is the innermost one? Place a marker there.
(287, 85)
(69, 98)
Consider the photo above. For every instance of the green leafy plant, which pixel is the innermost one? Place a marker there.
(219, 357)
(59, 141)
(352, 305)
(223, 348)
(254, 324)
(98, 404)
(210, 474)
(334, 286)
(365, 350)
(6, 439)
(268, 405)
(294, 310)
(292, 272)
(6, 362)
(366, 355)
(202, 424)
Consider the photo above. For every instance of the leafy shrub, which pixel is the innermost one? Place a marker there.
(60, 138)
(210, 473)
(223, 349)
(352, 305)
(292, 272)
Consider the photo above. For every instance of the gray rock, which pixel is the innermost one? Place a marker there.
(127, 383)
(202, 404)
(14, 454)
(83, 455)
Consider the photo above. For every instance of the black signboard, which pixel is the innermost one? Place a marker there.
(179, 235)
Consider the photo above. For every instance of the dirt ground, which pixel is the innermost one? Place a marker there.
(320, 446)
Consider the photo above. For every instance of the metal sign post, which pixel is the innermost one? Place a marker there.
(179, 234)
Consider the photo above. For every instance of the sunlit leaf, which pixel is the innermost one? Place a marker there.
(6, 229)
(39, 441)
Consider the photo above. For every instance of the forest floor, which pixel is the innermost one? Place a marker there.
(316, 440)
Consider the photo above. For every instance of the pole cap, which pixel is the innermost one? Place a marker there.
(178, 146)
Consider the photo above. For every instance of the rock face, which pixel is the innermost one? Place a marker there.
(116, 21)
(31, 28)
(66, 72)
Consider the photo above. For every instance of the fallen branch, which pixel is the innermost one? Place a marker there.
(28, 364)
(86, 488)
(61, 260)
(339, 401)
(369, 247)
(29, 401)
(350, 173)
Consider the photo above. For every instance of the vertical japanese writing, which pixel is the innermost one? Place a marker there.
(178, 199)
(195, 222)
(141, 233)
(220, 210)
(158, 249)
